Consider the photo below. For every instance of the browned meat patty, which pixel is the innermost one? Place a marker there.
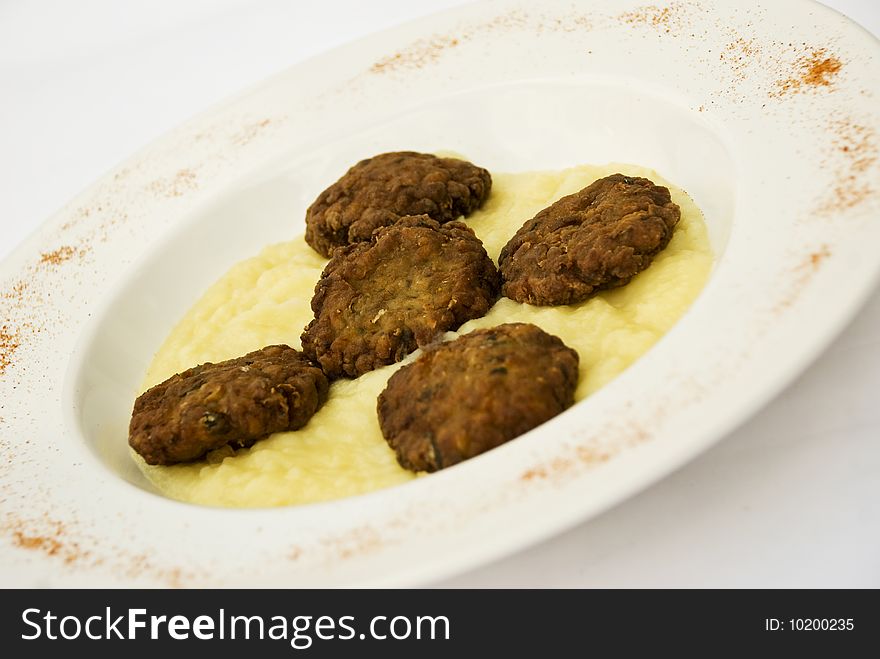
(467, 396)
(378, 301)
(377, 191)
(600, 237)
(235, 402)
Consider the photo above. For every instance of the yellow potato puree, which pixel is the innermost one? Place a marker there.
(341, 452)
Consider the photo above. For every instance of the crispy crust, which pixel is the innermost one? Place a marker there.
(376, 302)
(598, 238)
(467, 396)
(376, 192)
(235, 402)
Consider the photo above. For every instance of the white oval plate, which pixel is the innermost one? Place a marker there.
(766, 114)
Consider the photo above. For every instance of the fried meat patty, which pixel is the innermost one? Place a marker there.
(234, 402)
(378, 301)
(376, 192)
(464, 397)
(598, 238)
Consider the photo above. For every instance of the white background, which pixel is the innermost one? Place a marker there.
(792, 498)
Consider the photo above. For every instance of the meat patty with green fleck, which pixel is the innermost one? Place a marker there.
(378, 191)
(378, 301)
(230, 403)
(464, 397)
(598, 238)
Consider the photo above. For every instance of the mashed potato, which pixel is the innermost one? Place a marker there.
(341, 452)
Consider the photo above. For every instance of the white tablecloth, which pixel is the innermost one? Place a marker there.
(792, 498)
